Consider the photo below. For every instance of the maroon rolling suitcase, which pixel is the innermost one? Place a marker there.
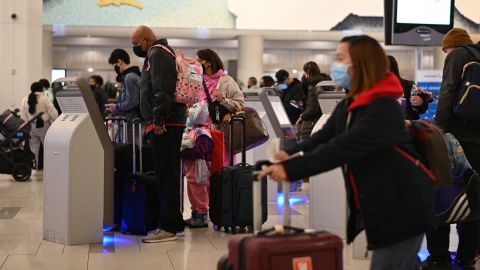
(294, 249)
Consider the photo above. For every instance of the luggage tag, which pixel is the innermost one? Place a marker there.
(303, 263)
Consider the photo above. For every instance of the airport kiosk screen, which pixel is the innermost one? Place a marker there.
(430, 12)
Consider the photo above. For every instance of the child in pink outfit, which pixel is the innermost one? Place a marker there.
(196, 153)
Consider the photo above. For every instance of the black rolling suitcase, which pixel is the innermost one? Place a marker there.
(139, 198)
(231, 192)
(122, 163)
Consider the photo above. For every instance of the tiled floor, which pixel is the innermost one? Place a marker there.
(22, 247)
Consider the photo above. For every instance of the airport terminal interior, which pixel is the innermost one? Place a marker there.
(66, 211)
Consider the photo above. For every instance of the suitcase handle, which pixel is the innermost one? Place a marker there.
(257, 194)
(279, 229)
(231, 123)
(135, 122)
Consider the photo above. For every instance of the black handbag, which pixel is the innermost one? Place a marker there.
(216, 110)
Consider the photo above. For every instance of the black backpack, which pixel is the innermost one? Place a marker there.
(466, 106)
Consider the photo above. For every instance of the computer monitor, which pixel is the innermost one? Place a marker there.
(412, 22)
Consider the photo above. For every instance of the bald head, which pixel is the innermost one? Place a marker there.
(143, 36)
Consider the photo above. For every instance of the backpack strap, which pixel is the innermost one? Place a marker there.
(417, 163)
(165, 49)
(207, 93)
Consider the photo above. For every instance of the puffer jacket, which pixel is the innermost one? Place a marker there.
(388, 195)
(312, 111)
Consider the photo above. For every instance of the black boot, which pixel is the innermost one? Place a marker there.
(200, 222)
(189, 221)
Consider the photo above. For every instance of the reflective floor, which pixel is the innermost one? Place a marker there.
(22, 247)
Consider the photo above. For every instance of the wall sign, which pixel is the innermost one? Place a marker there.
(133, 3)
(430, 81)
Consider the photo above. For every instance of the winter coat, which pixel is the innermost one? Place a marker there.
(293, 92)
(202, 149)
(159, 78)
(388, 195)
(444, 117)
(129, 99)
(101, 98)
(312, 111)
(43, 105)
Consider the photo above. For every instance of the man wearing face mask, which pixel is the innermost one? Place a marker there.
(166, 121)
(292, 95)
(101, 97)
(129, 98)
(469, 138)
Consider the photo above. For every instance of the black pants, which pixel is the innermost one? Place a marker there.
(438, 242)
(166, 149)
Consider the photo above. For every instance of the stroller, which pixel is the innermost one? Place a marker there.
(15, 155)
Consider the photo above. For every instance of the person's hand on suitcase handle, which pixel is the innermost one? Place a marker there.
(275, 168)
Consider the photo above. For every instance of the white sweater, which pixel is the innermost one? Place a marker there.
(43, 105)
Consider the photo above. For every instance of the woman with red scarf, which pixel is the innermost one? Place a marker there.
(388, 196)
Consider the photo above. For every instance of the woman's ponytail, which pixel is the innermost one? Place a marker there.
(32, 98)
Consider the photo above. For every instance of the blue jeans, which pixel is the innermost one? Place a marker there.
(400, 256)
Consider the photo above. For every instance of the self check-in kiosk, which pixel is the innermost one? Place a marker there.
(253, 100)
(78, 174)
(283, 130)
(328, 203)
(327, 190)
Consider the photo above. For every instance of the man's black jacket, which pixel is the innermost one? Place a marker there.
(159, 77)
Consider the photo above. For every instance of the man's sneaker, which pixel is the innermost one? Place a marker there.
(431, 264)
(159, 236)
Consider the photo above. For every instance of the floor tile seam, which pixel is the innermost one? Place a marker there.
(170, 259)
(38, 248)
(4, 261)
(209, 240)
(88, 259)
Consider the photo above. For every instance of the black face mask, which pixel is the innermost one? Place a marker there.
(92, 86)
(137, 50)
(117, 70)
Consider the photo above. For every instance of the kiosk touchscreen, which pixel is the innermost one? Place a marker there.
(78, 176)
(278, 117)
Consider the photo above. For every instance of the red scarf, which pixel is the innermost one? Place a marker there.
(389, 87)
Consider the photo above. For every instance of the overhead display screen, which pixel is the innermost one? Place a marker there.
(434, 12)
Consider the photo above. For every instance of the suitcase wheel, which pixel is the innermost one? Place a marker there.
(216, 227)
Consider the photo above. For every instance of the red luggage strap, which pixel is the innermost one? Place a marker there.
(417, 163)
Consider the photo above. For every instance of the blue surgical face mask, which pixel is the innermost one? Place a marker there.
(283, 86)
(340, 75)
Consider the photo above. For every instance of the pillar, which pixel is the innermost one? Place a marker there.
(438, 58)
(250, 58)
(20, 49)
(47, 50)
